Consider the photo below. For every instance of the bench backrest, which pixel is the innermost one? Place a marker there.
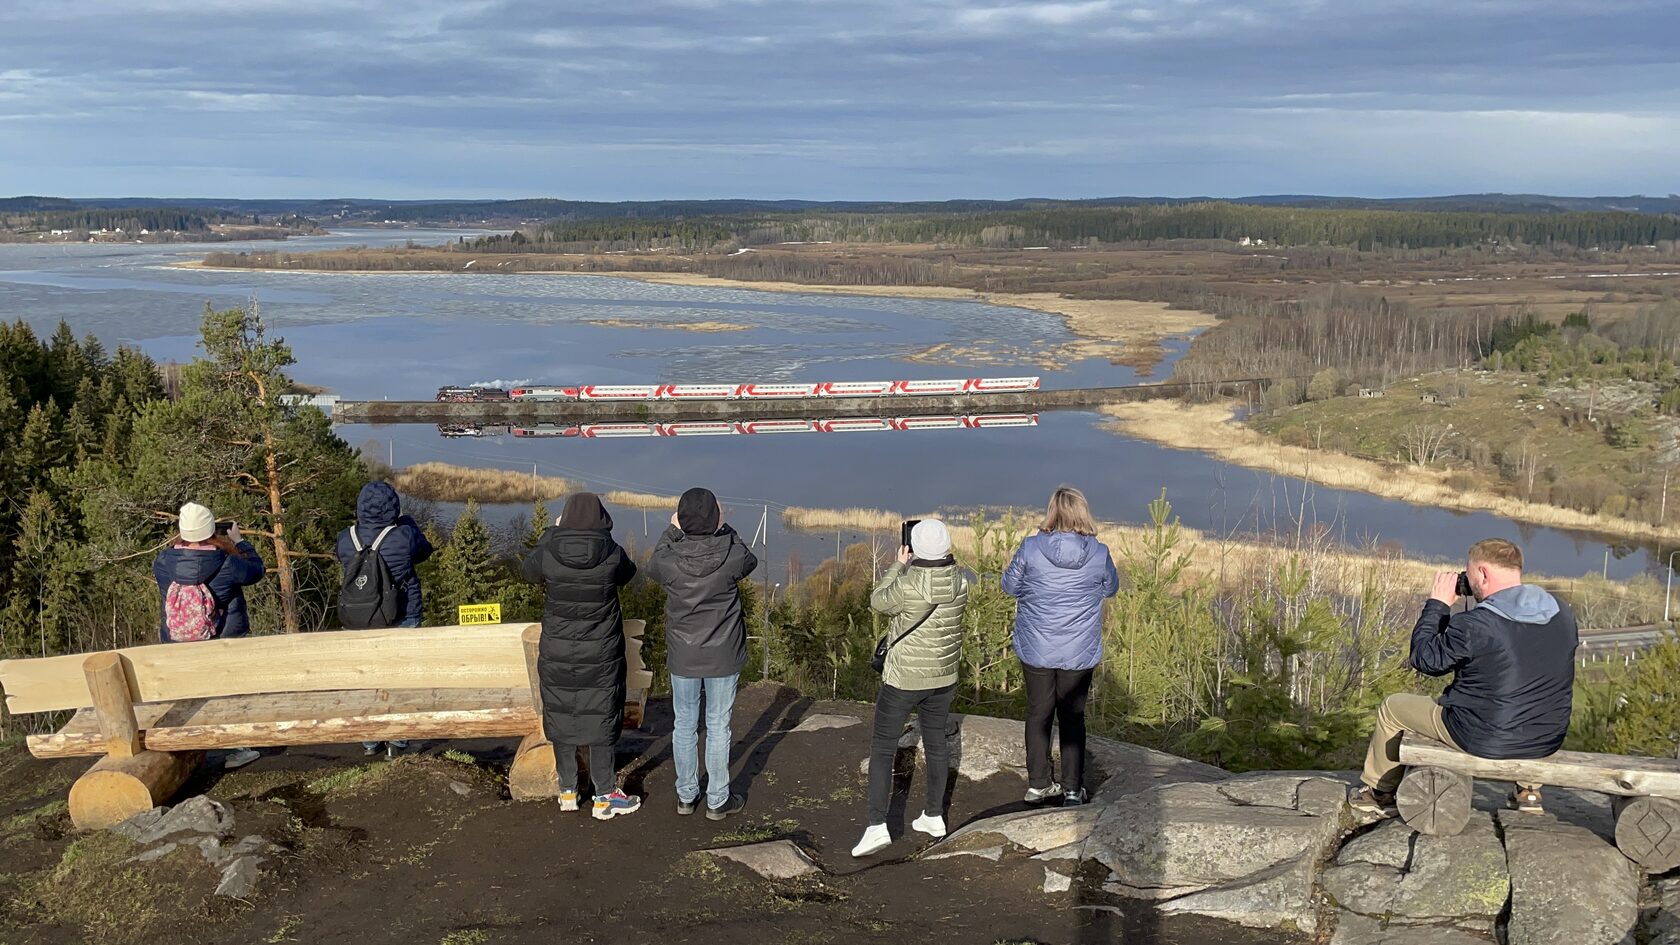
(472, 657)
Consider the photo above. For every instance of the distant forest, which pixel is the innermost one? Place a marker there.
(1076, 226)
(526, 212)
(20, 216)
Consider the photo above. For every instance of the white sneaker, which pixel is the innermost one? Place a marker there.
(240, 757)
(875, 839)
(1040, 795)
(930, 825)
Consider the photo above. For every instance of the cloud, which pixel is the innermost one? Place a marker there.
(837, 98)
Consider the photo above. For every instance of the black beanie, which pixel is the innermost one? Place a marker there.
(697, 512)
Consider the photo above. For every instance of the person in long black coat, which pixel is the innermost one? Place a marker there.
(580, 662)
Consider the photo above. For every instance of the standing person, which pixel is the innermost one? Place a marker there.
(1512, 659)
(202, 578)
(699, 561)
(1060, 577)
(924, 593)
(401, 547)
(580, 661)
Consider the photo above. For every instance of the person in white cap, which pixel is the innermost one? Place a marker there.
(202, 578)
(924, 593)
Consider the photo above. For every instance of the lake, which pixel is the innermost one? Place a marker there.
(402, 336)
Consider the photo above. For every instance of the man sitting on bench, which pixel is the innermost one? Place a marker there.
(1512, 656)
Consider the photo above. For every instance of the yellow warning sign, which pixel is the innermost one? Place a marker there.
(480, 613)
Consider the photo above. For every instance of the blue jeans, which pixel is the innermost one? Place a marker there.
(685, 740)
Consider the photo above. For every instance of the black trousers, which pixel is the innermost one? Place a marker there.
(892, 709)
(601, 771)
(1056, 695)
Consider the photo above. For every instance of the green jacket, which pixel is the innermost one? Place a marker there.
(929, 657)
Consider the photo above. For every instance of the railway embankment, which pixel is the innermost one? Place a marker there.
(601, 411)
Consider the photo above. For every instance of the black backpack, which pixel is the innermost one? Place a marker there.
(369, 599)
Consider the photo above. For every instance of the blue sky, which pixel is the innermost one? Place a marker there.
(837, 99)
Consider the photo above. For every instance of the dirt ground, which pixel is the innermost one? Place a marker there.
(428, 849)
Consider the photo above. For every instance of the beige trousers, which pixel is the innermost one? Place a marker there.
(1398, 714)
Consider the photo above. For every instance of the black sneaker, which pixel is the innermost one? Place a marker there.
(1076, 798)
(687, 807)
(730, 808)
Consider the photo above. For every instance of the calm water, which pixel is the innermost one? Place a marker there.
(402, 336)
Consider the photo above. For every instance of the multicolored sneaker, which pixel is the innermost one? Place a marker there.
(568, 800)
(608, 806)
(1529, 801)
(1375, 803)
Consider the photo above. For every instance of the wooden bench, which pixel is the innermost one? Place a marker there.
(1435, 794)
(152, 711)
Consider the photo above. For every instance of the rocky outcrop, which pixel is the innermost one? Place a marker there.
(1245, 850)
(986, 746)
(1405, 878)
(204, 825)
(1568, 886)
(775, 859)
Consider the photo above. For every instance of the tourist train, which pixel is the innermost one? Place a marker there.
(568, 392)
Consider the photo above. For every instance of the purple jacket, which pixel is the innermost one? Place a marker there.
(1060, 580)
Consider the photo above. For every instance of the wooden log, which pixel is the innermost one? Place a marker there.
(107, 683)
(638, 680)
(532, 642)
(307, 718)
(532, 775)
(115, 789)
(486, 657)
(1648, 831)
(1608, 774)
(1434, 801)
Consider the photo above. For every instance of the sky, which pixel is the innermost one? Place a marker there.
(837, 99)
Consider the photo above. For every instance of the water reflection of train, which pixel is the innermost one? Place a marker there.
(602, 431)
(567, 392)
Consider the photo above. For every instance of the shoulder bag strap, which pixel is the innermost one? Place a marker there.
(913, 627)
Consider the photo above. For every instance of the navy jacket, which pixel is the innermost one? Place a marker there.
(1513, 663)
(1060, 580)
(403, 550)
(226, 575)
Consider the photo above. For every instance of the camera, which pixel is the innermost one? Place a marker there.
(905, 530)
(1463, 589)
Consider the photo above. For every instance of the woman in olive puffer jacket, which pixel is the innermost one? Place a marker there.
(926, 591)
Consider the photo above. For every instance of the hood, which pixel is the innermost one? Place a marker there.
(378, 505)
(938, 580)
(193, 565)
(698, 556)
(579, 548)
(1525, 603)
(585, 511)
(1067, 550)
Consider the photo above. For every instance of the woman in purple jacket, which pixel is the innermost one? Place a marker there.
(1059, 578)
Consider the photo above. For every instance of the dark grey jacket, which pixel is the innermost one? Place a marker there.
(705, 632)
(1512, 657)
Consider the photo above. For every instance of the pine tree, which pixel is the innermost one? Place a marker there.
(466, 572)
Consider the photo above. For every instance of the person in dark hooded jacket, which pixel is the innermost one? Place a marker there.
(580, 662)
(1060, 577)
(1512, 657)
(699, 561)
(224, 564)
(403, 550)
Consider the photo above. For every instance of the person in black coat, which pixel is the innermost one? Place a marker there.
(580, 662)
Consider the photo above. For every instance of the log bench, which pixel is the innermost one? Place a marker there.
(149, 713)
(1435, 794)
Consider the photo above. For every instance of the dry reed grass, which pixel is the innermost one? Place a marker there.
(443, 482)
(828, 520)
(1211, 428)
(638, 500)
